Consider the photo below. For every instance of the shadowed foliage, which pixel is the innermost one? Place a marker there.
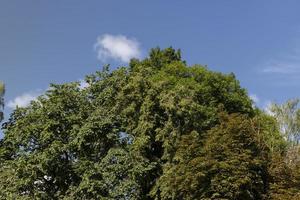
(2, 91)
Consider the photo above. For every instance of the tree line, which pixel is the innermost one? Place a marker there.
(157, 129)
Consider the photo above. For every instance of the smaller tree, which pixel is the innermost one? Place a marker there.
(231, 164)
(285, 166)
(288, 118)
(2, 91)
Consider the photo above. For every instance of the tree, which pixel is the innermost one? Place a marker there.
(284, 178)
(285, 166)
(288, 118)
(122, 136)
(2, 91)
(228, 163)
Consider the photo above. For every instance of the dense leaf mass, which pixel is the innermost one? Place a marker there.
(157, 129)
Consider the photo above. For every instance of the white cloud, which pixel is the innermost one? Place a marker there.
(282, 67)
(83, 84)
(23, 100)
(254, 98)
(118, 47)
(288, 64)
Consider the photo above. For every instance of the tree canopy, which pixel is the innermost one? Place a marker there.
(157, 129)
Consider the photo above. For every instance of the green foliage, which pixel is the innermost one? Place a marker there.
(227, 163)
(158, 129)
(288, 117)
(285, 179)
(269, 133)
(2, 91)
(285, 166)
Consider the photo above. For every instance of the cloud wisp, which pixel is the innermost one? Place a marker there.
(282, 67)
(287, 64)
(23, 100)
(117, 47)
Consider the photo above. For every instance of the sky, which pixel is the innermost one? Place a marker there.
(57, 41)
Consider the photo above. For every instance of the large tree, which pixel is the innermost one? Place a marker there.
(133, 132)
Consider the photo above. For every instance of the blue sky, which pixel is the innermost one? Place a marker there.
(56, 41)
